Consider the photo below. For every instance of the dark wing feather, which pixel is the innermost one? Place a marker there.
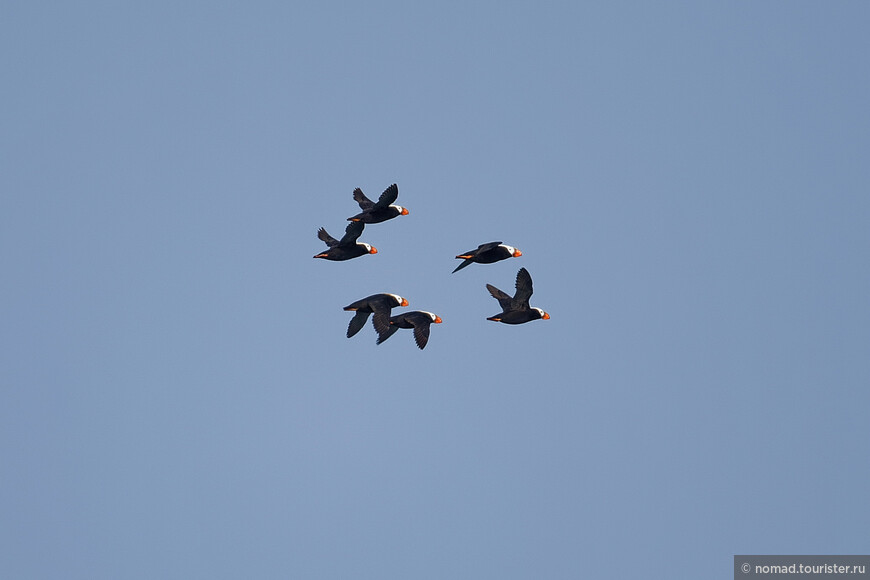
(487, 247)
(387, 334)
(364, 202)
(353, 231)
(357, 322)
(330, 241)
(504, 300)
(524, 290)
(421, 333)
(464, 263)
(387, 197)
(381, 319)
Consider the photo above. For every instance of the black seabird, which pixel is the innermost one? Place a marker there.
(419, 320)
(487, 254)
(380, 211)
(516, 310)
(347, 247)
(380, 305)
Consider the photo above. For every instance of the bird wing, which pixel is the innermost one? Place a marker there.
(524, 290)
(357, 322)
(364, 202)
(464, 263)
(421, 332)
(387, 197)
(323, 235)
(504, 300)
(478, 250)
(387, 334)
(487, 247)
(381, 318)
(353, 231)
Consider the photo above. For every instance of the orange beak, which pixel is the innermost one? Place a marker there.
(374, 250)
(404, 302)
(517, 253)
(405, 211)
(546, 316)
(437, 319)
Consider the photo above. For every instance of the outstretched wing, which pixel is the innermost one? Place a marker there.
(364, 202)
(387, 334)
(387, 197)
(353, 231)
(323, 235)
(381, 318)
(464, 263)
(503, 299)
(357, 322)
(524, 290)
(421, 333)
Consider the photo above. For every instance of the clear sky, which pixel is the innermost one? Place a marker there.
(689, 184)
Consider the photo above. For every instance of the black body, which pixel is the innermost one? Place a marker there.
(383, 210)
(516, 309)
(419, 320)
(379, 304)
(487, 254)
(347, 247)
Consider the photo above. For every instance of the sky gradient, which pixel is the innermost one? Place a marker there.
(688, 183)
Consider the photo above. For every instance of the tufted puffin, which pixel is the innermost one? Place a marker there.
(516, 310)
(380, 305)
(487, 254)
(419, 320)
(383, 210)
(347, 247)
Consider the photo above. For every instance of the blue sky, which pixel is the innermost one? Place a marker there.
(688, 183)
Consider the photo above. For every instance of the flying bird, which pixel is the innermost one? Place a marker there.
(380, 211)
(419, 320)
(516, 310)
(487, 254)
(379, 304)
(347, 247)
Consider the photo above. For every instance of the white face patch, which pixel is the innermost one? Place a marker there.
(398, 298)
(541, 312)
(432, 316)
(398, 207)
(510, 249)
(366, 246)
